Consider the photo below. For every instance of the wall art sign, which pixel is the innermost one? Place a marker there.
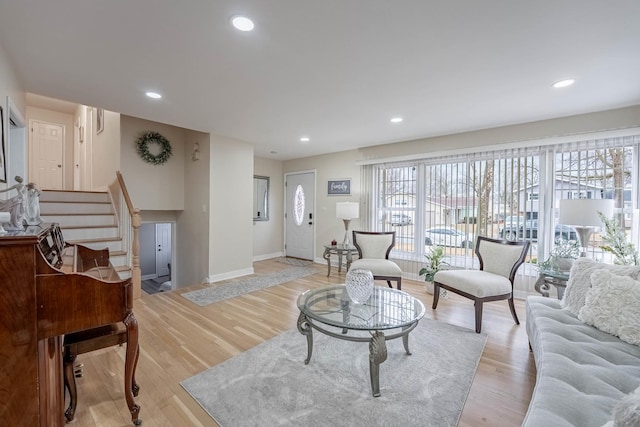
(339, 187)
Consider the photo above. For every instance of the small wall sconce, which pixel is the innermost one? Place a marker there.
(195, 152)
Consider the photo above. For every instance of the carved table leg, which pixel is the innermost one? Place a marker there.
(542, 286)
(327, 255)
(130, 366)
(307, 330)
(70, 383)
(405, 341)
(377, 355)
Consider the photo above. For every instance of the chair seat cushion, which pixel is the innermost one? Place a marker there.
(475, 282)
(379, 267)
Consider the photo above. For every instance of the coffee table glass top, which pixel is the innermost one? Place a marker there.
(386, 309)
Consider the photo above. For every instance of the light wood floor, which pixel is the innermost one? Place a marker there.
(179, 339)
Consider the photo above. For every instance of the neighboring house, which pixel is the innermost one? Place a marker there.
(528, 198)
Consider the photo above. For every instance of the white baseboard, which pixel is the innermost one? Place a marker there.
(148, 276)
(229, 275)
(267, 256)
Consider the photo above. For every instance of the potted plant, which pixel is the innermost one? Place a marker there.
(434, 264)
(562, 255)
(615, 238)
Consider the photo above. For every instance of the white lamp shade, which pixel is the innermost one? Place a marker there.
(584, 212)
(347, 210)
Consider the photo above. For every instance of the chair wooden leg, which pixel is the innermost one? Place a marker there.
(436, 295)
(513, 311)
(399, 285)
(478, 305)
(389, 283)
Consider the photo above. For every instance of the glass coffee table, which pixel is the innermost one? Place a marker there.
(330, 307)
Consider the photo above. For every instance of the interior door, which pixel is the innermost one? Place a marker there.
(163, 249)
(300, 215)
(47, 155)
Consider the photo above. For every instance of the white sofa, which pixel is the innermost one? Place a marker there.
(583, 372)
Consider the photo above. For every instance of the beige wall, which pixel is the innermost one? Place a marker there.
(231, 207)
(345, 164)
(11, 86)
(192, 233)
(152, 187)
(330, 167)
(105, 150)
(57, 118)
(268, 236)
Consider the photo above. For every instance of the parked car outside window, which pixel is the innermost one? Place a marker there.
(401, 219)
(448, 236)
(528, 230)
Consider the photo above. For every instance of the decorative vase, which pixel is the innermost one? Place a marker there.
(359, 284)
(428, 286)
(563, 264)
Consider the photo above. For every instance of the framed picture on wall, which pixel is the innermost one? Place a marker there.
(339, 187)
(3, 164)
(100, 120)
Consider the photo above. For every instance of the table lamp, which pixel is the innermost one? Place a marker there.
(582, 214)
(347, 211)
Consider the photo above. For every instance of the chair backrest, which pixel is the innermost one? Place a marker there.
(501, 257)
(375, 245)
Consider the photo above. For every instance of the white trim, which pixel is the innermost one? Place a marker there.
(228, 275)
(617, 133)
(267, 256)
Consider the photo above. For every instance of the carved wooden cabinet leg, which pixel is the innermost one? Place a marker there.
(70, 384)
(135, 388)
(131, 360)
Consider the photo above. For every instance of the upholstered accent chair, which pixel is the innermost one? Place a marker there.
(499, 261)
(373, 250)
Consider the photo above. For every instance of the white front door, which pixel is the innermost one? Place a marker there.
(47, 144)
(300, 215)
(163, 248)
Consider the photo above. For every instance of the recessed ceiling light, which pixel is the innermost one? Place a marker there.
(396, 120)
(304, 139)
(242, 23)
(563, 83)
(154, 95)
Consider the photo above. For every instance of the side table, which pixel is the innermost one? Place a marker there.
(550, 277)
(339, 250)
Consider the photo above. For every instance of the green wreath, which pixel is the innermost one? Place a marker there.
(142, 147)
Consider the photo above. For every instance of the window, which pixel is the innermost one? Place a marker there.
(510, 194)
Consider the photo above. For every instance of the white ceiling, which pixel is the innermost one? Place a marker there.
(333, 70)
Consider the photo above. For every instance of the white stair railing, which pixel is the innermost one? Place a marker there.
(129, 221)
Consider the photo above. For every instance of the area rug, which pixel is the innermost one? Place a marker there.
(270, 385)
(294, 261)
(218, 293)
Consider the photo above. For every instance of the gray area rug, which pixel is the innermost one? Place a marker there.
(270, 385)
(233, 289)
(294, 261)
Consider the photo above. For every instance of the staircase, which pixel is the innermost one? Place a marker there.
(87, 218)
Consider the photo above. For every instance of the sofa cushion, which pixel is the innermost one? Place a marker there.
(582, 372)
(580, 280)
(613, 306)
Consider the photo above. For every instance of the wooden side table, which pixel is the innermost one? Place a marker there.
(548, 278)
(339, 250)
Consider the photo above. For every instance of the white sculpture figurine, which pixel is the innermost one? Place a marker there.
(15, 205)
(32, 211)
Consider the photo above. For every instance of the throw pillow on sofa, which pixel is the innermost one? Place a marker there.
(627, 412)
(613, 306)
(580, 280)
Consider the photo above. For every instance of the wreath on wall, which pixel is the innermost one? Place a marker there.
(148, 138)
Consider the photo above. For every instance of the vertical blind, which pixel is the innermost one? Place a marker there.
(510, 194)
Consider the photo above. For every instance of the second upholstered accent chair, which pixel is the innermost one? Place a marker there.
(499, 261)
(373, 250)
